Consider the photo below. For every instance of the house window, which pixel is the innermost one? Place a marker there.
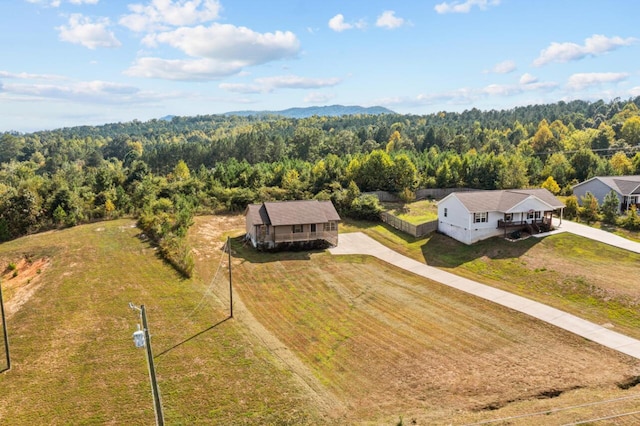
(508, 217)
(297, 229)
(313, 228)
(533, 215)
(330, 226)
(445, 212)
(480, 217)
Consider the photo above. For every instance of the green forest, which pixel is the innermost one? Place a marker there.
(165, 171)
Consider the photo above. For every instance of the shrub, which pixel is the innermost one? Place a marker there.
(631, 221)
(366, 207)
(609, 208)
(589, 209)
(571, 207)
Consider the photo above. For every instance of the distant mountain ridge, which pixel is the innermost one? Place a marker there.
(330, 110)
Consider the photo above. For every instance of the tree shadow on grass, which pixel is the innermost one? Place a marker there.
(191, 338)
(442, 251)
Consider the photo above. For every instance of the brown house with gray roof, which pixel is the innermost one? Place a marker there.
(473, 216)
(292, 224)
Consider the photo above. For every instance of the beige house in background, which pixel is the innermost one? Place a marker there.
(292, 224)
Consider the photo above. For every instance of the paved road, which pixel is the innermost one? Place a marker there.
(359, 243)
(597, 234)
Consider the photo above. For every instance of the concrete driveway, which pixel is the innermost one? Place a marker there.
(597, 234)
(359, 243)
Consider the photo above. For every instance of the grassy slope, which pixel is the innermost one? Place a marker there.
(73, 356)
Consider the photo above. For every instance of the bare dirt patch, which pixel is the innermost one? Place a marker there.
(21, 279)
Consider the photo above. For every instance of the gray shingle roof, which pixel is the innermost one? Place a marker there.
(292, 212)
(624, 185)
(504, 200)
(257, 214)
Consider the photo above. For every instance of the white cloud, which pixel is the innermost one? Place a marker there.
(226, 42)
(241, 88)
(318, 98)
(84, 91)
(593, 46)
(389, 20)
(464, 7)
(504, 67)
(582, 81)
(296, 82)
(269, 84)
(57, 3)
(184, 69)
(82, 30)
(163, 14)
(467, 96)
(635, 91)
(527, 78)
(337, 23)
(220, 50)
(29, 76)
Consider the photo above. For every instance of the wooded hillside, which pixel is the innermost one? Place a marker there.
(165, 171)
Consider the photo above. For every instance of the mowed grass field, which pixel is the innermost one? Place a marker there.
(315, 339)
(595, 281)
(72, 352)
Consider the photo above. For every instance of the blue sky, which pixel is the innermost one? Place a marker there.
(77, 62)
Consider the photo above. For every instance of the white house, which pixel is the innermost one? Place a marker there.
(476, 215)
(627, 188)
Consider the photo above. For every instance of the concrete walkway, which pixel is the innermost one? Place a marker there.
(596, 234)
(359, 243)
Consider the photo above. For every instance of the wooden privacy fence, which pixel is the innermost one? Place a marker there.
(411, 229)
(421, 194)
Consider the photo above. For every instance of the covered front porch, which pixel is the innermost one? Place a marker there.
(533, 222)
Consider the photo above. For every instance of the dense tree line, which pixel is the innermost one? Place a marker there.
(164, 171)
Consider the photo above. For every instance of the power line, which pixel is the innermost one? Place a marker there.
(555, 410)
(207, 292)
(615, 416)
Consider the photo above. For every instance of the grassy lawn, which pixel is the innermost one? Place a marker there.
(383, 341)
(592, 280)
(73, 358)
(416, 213)
(315, 339)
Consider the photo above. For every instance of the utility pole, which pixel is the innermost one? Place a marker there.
(4, 330)
(230, 281)
(157, 404)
